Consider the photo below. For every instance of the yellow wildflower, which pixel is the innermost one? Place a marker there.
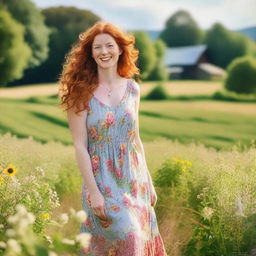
(45, 216)
(10, 170)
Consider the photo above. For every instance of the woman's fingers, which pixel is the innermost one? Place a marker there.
(100, 212)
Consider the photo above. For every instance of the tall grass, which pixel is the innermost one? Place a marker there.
(206, 207)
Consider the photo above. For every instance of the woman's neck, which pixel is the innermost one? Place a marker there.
(108, 76)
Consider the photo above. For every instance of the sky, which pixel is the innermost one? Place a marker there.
(152, 14)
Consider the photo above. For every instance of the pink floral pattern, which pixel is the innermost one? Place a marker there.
(122, 179)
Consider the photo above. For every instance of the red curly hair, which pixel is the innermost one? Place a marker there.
(79, 77)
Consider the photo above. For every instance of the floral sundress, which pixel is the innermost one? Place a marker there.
(121, 176)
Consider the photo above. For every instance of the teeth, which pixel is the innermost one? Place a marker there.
(106, 58)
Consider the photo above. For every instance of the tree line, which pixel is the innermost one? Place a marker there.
(33, 42)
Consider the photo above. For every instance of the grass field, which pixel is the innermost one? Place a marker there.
(213, 123)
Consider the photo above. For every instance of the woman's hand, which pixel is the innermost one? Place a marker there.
(97, 204)
(153, 196)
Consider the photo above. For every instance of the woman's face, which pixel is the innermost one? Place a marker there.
(105, 51)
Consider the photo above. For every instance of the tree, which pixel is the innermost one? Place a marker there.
(181, 30)
(65, 23)
(147, 55)
(159, 71)
(225, 45)
(36, 33)
(14, 52)
(242, 75)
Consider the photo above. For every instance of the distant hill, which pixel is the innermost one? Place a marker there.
(250, 32)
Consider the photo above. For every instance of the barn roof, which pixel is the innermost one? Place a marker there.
(184, 55)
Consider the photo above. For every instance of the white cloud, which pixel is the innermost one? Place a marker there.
(152, 14)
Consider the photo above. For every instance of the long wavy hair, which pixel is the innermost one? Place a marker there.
(79, 76)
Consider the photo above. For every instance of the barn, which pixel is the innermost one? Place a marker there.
(190, 62)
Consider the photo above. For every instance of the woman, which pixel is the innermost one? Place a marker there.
(102, 103)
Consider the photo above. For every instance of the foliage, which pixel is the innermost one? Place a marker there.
(242, 75)
(20, 240)
(157, 93)
(181, 30)
(225, 45)
(65, 23)
(218, 189)
(14, 52)
(159, 71)
(36, 32)
(147, 56)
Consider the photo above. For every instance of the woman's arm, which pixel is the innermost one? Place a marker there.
(77, 125)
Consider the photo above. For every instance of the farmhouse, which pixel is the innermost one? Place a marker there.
(190, 62)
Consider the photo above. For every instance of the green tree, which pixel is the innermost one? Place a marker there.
(65, 23)
(36, 32)
(225, 45)
(14, 52)
(181, 30)
(242, 75)
(159, 71)
(147, 55)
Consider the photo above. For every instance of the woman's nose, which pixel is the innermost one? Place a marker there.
(104, 50)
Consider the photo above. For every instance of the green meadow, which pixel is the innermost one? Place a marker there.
(200, 153)
(217, 124)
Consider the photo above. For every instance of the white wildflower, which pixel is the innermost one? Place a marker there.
(10, 232)
(51, 253)
(207, 213)
(21, 209)
(2, 244)
(68, 241)
(64, 218)
(239, 207)
(83, 239)
(13, 219)
(31, 218)
(40, 171)
(81, 216)
(14, 245)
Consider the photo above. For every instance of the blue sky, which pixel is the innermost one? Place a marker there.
(152, 14)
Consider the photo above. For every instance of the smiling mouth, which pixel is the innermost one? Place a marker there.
(105, 58)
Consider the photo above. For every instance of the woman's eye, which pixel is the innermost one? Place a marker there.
(110, 45)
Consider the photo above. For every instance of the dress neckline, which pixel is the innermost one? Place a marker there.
(120, 102)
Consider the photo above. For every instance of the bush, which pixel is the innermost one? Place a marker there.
(157, 93)
(242, 75)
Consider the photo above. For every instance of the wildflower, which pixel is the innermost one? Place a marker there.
(10, 232)
(10, 170)
(40, 171)
(239, 207)
(51, 253)
(200, 196)
(2, 244)
(64, 218)
(207, 213)
(68, 241)
(83, 239)
(13, 245)
(81, 216)
(45, 216)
